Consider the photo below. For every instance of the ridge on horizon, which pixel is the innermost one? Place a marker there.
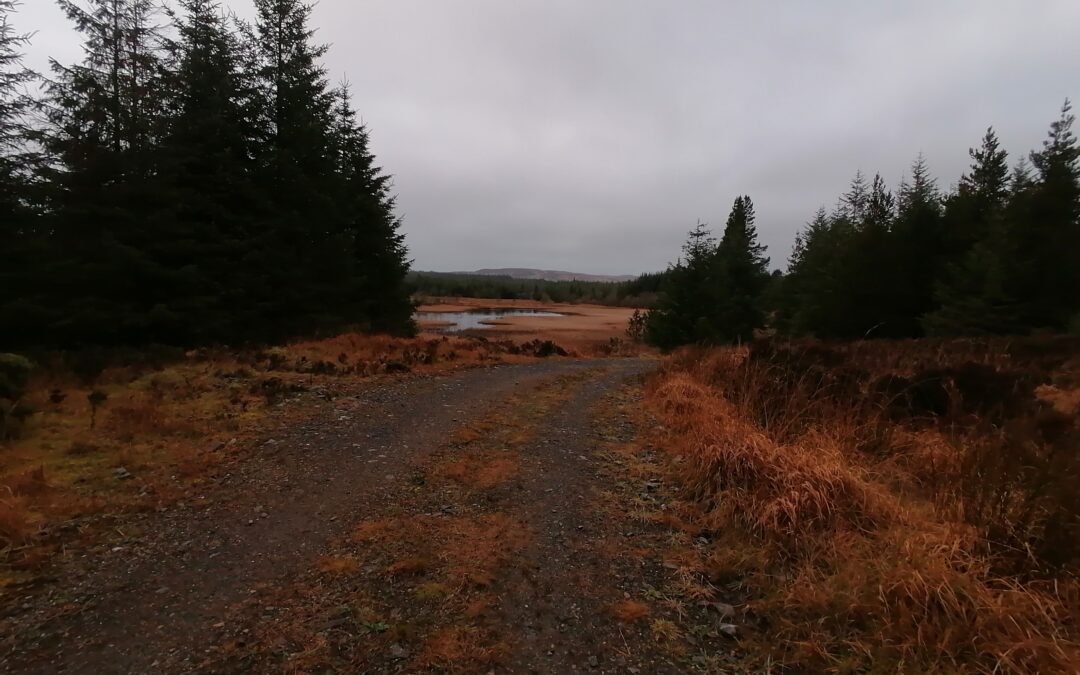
(546, 275)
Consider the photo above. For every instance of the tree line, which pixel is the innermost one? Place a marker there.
(194, 179)
(999, 254)
(639, 292)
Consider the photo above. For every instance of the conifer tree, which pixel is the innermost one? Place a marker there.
(207, 173)
(688, 300)
(378, 254)
(14, 100)
(15, 104)
(301, 246)
(807, 283)
(713, 293)
(853, 203)
(742, 274)
(988, 180)
(970, 295)
(17, 217)
(105, 115)
(870, 272)
(919, 251)
(1046, 273)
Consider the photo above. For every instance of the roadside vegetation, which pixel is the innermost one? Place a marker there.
(885, 506)
(901, 496)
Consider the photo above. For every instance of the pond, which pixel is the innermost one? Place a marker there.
(474, 318)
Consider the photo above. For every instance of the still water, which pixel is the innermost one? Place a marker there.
(475, 318)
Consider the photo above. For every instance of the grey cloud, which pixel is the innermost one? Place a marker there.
(592, 135)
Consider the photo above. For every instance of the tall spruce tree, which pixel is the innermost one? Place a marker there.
(302, 245)
(105, 115)
(742, 273)
(1045, 275)
(841, 277)
(18, 223)
(870, 272)
(689, 295)
(853, 202)
(970, 295)
(919, 250)
(207, 173)
(379, 257)
(15, 104)
(809, 280)
(712, 295)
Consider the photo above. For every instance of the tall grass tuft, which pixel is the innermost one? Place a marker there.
(912, 504)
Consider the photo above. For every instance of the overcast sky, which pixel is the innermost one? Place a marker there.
(591, 135)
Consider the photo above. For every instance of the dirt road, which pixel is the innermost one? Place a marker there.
(467, 522)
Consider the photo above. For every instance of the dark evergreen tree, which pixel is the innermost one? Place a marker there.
(302, 246)
(686, 310)
(807, 281)
(970, 295)
(919, 251)
(713, 293)
(207, 169)
(869, 271)
(15, 104)
(742, 273)
(18, 222)
(104, 115)
(378, 254)
(984, 191)
(1044, 237)
(853, 204)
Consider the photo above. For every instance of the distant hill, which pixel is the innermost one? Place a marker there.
(549, 275)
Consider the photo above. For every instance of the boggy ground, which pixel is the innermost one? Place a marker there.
(490, 520)
(581, 328)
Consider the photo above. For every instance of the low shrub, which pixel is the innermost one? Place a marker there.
(14, 377)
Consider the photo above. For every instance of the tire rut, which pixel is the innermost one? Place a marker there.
(560, 605)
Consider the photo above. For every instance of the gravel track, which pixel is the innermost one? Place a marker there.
(154, 604)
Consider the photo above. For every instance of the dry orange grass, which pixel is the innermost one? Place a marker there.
(462, 550)
(480, 470)
(370, 354)
(16, 525)
(788, 493)
(832, 518)
(409, 567)
(1064, 400)
(462, 649)
(630, 611)
(373, 531)
(338, 565)
(479, 547)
